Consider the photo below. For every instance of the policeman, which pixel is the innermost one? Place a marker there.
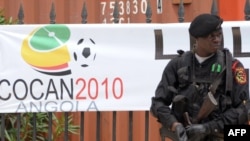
(204, 89)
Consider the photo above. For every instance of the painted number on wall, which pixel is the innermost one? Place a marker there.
(125, 8)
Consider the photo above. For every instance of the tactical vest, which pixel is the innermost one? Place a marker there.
(189, 84)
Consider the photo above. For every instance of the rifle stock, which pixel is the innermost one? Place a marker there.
(180, 107)
(210, 102)
(207, 107)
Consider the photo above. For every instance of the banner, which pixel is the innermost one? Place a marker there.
(94, 67)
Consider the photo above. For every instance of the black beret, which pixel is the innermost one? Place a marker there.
(204, 24)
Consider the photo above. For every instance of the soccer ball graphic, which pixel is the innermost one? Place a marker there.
(86, 52)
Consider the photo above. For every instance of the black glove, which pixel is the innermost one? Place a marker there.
(197, 131)
(180, 132)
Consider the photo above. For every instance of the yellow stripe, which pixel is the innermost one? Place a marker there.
(44, 59)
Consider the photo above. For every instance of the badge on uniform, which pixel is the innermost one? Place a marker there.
(240, 75)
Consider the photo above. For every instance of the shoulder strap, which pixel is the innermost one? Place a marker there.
(185, 59)
(184, 68)
(229, 59)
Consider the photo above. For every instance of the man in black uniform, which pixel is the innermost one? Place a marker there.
(204, 89)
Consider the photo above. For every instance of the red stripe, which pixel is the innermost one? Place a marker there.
(54, 67)
(234, 65)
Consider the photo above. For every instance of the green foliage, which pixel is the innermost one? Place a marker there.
(59, 126)
(42, 120)
(26, 126)
(4, 20)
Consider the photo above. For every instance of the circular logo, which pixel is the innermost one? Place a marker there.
(46, 51)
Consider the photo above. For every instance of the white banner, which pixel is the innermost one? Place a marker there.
(93, 67)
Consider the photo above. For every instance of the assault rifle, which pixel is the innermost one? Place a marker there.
(180, 103)
(210, 102)
(207, 107)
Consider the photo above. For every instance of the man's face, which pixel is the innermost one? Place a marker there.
(209, 44)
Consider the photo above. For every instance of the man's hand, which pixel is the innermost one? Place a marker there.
(197, 131)
(180, 132)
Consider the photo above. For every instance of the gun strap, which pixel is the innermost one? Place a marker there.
(227, 67)
(229, 81)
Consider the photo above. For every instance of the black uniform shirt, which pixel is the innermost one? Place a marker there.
(231, 108)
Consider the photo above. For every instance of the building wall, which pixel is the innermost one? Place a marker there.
(131, 11)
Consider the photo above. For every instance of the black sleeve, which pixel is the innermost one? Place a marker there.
(164, 93)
